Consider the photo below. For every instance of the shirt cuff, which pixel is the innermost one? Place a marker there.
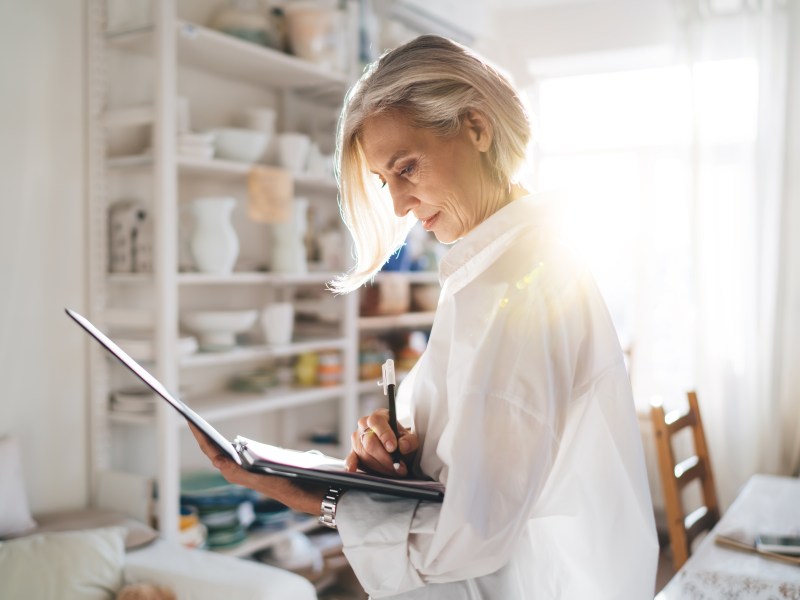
(375, 529)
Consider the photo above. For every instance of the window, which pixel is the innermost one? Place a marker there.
(624, 148)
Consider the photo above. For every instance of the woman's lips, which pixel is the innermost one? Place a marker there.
(429, 222)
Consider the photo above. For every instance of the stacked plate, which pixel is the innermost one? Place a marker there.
(133, 401)
(196, 145)
(271, 515)
(224, 509)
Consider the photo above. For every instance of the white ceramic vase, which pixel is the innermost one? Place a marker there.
(214, 243)
(288, 247)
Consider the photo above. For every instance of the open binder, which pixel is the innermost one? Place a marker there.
(273, 460)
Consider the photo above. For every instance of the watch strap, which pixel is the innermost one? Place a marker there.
(327, 514)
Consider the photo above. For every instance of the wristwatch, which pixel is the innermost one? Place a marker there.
(327, 513)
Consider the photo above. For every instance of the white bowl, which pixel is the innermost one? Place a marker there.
(245, 145)
(217, 329)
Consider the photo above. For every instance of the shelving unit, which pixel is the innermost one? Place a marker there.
(150, 303)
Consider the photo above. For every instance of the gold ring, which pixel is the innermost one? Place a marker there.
(365, 432)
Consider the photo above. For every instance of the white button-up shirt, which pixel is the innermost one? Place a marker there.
(524, 411)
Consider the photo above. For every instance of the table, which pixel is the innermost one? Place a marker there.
(767, 503)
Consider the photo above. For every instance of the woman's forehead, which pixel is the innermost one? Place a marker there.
(384, 137)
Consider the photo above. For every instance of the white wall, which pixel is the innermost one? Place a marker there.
(42, 148)
(524, 30)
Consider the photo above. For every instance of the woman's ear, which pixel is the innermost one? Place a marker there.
(478, 129)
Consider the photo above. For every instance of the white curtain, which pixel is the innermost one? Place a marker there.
(740, 202)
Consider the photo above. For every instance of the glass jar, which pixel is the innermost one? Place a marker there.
(246, 20)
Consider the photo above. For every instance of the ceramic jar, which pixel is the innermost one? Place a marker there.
(214, 243)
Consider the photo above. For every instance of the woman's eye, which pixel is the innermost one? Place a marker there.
(408, 170)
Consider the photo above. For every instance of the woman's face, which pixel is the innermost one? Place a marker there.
(442, 181)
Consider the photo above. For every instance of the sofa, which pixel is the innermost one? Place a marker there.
(93, 554)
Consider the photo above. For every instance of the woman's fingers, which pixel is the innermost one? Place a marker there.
(208, 447)
(409, 442)
(372, 445)
(378, 422)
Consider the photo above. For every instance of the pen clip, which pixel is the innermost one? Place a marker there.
(387, 370)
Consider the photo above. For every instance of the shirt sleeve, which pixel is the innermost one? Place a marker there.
(510, 373)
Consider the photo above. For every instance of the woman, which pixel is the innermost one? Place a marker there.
(521, 403)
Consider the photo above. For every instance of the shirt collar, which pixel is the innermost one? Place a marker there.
(473, 253)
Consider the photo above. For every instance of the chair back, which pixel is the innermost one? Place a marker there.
(675, 476)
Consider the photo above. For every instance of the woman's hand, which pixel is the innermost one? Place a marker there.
(306, 499)
(374, 441)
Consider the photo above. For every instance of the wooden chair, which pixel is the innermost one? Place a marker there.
(683, 528)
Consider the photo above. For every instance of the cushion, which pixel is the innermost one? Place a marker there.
(199, 574)
(15, 515)
(84, 565)
(138, 534)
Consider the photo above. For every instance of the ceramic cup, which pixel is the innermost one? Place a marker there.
(277, 320)
(261, 119)
(293, 149)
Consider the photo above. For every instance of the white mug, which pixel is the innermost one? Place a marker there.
(261, 119)
(277, 320)
(293, 151)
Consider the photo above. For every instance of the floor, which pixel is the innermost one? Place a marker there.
(665, 570)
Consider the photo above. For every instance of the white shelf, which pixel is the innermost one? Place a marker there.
(254, 353)
(190, 165)
(130, 278)
(369, 386)
(224, 55)
(230, 405)
(129, 116)
(132, 161)
(236, 278)
(217, 167)
(226, 404)
(411, 276)
(404, 321)
(261, 540)
(243, 278)
(147, 418)
(181, 51)
(128, 318)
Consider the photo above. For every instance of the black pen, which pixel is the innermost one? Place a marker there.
(389, 384)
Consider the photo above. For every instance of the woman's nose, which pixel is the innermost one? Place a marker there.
(402, 199)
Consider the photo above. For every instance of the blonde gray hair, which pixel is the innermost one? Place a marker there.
(432, 82)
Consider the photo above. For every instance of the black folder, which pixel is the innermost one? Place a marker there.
(273, 460)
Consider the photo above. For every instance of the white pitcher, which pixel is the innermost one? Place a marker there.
(214, 243)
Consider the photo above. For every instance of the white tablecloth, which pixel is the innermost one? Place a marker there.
(766, 504)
